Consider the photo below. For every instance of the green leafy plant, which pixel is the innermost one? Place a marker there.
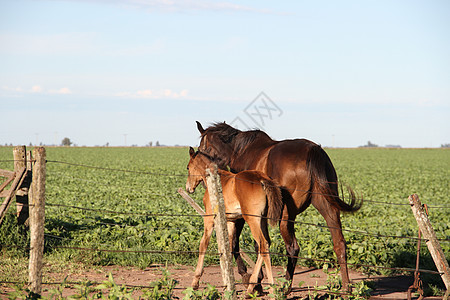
(280, 288)
(161, 289)
(381, 175)
(20, 292)
(85, 289)
(332, 288)
(110, 290)
(209, 293)
(57, 292)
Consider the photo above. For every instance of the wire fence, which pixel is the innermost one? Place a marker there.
(186, 175)
(170, 215)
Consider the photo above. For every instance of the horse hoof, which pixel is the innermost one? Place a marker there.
(195, 286)
(258, 288)
(288, 291)
(246, 279)
(252, 294)
(347, 288)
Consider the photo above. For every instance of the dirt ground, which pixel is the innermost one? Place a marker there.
(385, 287)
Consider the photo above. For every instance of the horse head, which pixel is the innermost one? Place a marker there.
(198, 163)
(218, 142)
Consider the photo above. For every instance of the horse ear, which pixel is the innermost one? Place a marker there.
(191, 151)
(200, 127)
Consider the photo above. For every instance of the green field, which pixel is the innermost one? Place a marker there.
(140, 184)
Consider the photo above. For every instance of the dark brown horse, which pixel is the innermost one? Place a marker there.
(248, 195)
(303, 170)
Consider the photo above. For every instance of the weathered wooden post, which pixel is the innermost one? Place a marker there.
(20, 161)
(201, 212)
(432, 243)
(37, 218)
(220, 223)
(191, 201)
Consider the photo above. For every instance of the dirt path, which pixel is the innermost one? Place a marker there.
(386, 287)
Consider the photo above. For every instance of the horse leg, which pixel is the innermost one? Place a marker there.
(261, 274)
(207, 231)
(288, 233)
(265, 247)
(242, 268)
(255, 224)
(333, 218)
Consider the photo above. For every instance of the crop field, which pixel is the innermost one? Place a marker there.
(125, 199)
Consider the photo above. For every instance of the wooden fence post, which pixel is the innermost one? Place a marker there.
(432, 243)
(201, 212)
(220, 223)
(191, 201)
(37, 218)
(20, 161)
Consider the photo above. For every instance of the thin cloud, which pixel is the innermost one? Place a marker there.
(195, 5)
(185, 6)
(35, 89)
(66, 43)
(155, 94)
(61, 91)
(11, 89)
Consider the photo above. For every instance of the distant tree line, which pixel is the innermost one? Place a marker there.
(66, 142)
(150, 144)
(369, 145)
(372, 145)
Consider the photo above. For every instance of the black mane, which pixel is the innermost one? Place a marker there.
(230, 134)
(209, 157)
(224, 131)
(236, 139)
(247, 137)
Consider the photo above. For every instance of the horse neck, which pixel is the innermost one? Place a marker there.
(204, 164)
(225, 176)
(246, 157)
(225, 173)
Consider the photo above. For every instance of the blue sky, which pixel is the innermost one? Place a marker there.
(340, 73)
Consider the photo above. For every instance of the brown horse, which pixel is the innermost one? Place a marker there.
(303, 170)
(248, 195)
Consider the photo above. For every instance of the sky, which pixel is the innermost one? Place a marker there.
(131, 72)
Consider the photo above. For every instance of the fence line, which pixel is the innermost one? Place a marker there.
(194, 215)
(294, 289)
(199, 216)
(279, 220)
(126, 213)
(412, 270)
(185, 175)
(114, 169)
(365, 200)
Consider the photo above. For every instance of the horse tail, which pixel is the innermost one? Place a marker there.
(274, 201)
(324, 181)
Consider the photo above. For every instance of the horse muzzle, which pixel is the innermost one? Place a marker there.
(189, 189)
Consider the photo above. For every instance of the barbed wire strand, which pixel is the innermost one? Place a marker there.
(190, 215)
(133, 286)
(211, 215)
(246, 251)
(153, 193)
(184, 175)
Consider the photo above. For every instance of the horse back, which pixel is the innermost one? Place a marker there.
(249, 190)
(287, 163)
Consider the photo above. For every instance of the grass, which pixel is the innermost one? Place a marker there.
(140, 184)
